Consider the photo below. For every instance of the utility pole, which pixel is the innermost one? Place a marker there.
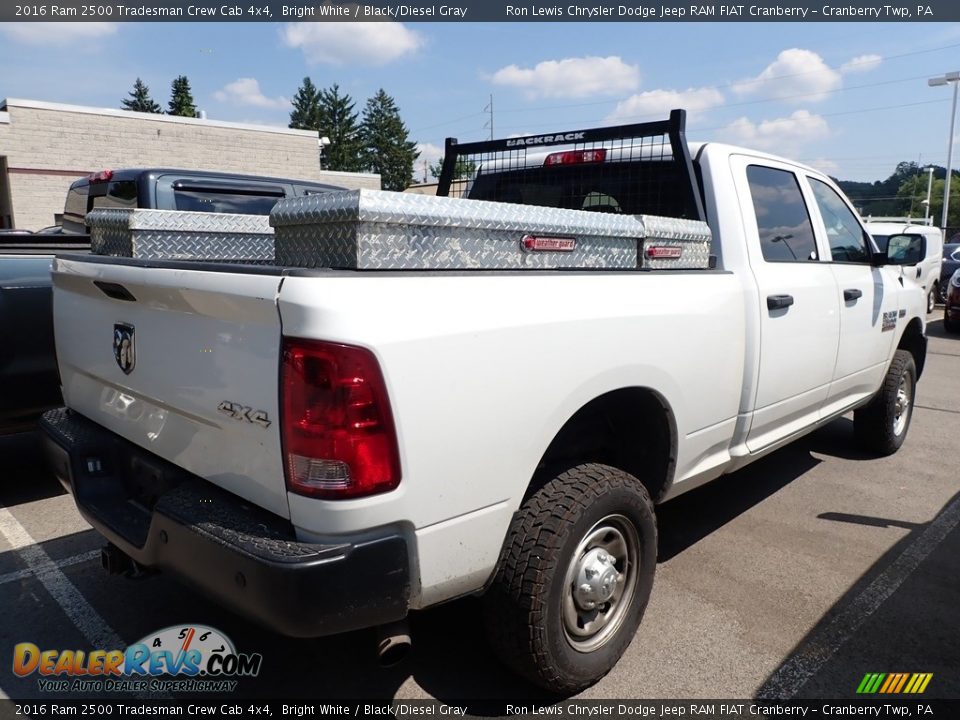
(489, 109)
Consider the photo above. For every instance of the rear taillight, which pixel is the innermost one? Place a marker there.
(338, 434)
(576, 157)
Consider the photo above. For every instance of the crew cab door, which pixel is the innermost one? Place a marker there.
(869, 300)
(798, 310)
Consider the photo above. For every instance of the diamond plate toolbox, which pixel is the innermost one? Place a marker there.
(178, 235)
(380, 230)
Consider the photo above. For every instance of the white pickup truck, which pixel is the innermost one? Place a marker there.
(325, 448)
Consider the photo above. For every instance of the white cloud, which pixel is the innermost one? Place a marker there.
(344, 43)
(246, 91)
(861, 63)
(428, 152)
(659, 103)
(571, 77)
(795, 72)
(51, 34)
(784, 136)
(825, 165)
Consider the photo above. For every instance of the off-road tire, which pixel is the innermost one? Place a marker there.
(878, 425)
(524, 607)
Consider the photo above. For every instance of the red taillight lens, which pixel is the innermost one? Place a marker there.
(338, 434)
(101, 177)
(576, 157)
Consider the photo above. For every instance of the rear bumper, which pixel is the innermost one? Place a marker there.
(246, 558)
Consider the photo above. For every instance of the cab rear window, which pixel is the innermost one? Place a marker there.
(223, 202)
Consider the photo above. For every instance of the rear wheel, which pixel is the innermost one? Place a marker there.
(881, 426)
(574, 578)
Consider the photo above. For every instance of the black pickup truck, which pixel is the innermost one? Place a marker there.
(29, 383)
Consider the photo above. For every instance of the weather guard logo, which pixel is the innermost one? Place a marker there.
(201, 658)
(894, 683)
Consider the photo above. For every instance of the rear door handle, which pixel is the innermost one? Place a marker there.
(852, 294)
(776, 302)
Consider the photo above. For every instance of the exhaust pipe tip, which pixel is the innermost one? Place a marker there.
(393, 643)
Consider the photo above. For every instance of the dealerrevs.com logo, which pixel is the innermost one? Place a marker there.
(185, 658)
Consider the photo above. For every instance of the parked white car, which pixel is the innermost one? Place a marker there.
(930, 239)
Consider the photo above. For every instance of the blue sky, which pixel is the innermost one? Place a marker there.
(850, 98)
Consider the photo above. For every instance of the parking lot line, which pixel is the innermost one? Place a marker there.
(820, 647)
(66, 562)
(81, 613)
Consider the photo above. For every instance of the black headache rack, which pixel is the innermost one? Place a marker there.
(644, 168)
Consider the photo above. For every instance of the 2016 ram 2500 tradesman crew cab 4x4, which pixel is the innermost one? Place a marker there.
(324, 446)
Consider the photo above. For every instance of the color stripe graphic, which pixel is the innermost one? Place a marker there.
(894, 683)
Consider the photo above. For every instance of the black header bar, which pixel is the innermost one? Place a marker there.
(894, 11)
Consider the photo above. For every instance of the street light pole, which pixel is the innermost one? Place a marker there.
(951, 78)
(926, 210)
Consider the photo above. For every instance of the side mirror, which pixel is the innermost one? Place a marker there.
(904, 250)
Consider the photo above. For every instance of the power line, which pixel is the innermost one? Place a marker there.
(723, 127)
(732, 84)
(728, 85)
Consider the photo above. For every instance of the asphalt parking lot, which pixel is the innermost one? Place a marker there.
(791, 578)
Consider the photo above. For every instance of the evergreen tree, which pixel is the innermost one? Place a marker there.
(306, 107)
(181, 99)
(337, 120)
(386, 146)
(140, 100)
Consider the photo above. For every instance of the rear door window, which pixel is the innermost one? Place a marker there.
(783, 222)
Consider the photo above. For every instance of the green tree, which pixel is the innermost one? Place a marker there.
(882, 197)
(181, 99)
(140, 100)
(337, 120)
(463, 170)
(386, 145)
(306, 107)
(913, 191)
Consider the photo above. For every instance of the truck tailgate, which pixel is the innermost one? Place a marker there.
(183, 362)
